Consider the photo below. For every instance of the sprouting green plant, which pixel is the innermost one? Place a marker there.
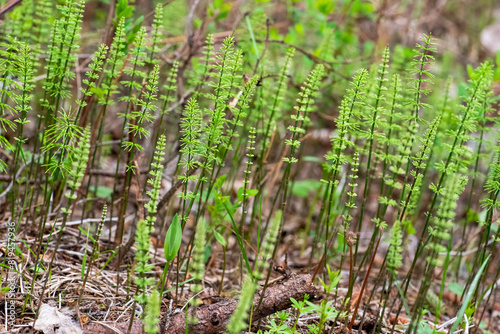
(204, 68)
(66, 38)
(79, 165)
(245, 193)
(168, 97)
(173, 240)
(326, 309)
(300, 306)
(374, 107)
(336, 157)
(146, 227)
(8, 66)
(138, 118)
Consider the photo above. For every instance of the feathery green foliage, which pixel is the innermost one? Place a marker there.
(230, 128)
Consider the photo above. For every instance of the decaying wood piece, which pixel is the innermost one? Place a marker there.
(213, 318)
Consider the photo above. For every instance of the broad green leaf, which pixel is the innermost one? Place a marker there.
(173, 239)
(220, 238)
(220, 181)
(456, 288)
(250, 193)
(302, 188)
(468, 297)
(102, 191)
(325, 6)
(88, 235)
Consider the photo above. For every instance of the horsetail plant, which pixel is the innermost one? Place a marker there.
(203, 69)
(167, 98)
(156, 36)
(377, 98)
(490, 204)
(8, 67)
(137, 131)
(138, 53)
(398, 157)
(107, 89)
(22, 108)
(421, 75)
(74, 181)
(191, 127)
(142, 257)
(441, 231)
(95, 252)
(265, 250)
(336, 158)
(273, 113)
(61, 134)
(146, 227)
(305, 99)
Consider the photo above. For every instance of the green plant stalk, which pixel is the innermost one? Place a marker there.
(378, 98)
(119, 230)
(421, 244)
(27, 75)
(440, 184)
(332, 179)
(113, 73)
(49, 117)
(248, 170)
(480, 256)
(473, 183)
(468, 297)
(37, 141)
(364, 285)
(210, 141)
(56, 247)
(303, 103)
